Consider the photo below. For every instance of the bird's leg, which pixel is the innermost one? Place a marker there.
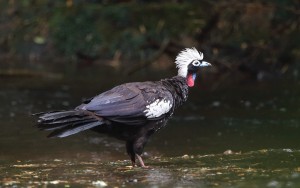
(129, 148)
(141, 161)
(133, 163)
(132, 157)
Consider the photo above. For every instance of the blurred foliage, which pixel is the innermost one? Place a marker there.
(125, 27)
(256, 38)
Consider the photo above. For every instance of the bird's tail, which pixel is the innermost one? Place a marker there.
(66, 123)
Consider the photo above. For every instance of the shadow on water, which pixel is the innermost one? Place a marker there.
(237, 137)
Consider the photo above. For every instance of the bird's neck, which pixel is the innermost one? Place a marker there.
(178, 87)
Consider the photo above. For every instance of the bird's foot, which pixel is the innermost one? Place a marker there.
(142, 164)
(141, 161)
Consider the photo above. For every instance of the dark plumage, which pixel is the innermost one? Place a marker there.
(131, 112)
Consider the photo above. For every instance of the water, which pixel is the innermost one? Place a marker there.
(244, 136)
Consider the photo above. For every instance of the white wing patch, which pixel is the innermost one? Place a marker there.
(157, 108)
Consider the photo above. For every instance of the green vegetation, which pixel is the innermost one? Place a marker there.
(258, 38)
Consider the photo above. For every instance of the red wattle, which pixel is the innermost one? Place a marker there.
(190, 80)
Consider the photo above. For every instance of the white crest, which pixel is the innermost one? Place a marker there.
(184, 58)
(157, 108)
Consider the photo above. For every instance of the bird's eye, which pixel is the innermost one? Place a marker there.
(196, 63)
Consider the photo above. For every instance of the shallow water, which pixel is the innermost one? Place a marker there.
(244, 136)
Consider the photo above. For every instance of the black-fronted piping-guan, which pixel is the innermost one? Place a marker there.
(132, 111)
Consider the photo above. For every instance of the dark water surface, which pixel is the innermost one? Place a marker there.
(244, 136)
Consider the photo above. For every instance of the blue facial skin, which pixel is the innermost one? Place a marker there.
(194, 76)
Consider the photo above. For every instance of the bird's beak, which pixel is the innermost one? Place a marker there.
(205, 64)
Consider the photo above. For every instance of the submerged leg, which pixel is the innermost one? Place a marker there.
(130, 152)
(132, 158)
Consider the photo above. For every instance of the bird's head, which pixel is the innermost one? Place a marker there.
(188, 62)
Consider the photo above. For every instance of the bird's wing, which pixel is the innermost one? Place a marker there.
(132, 103)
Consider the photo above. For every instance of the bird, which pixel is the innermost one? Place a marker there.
(131, 112)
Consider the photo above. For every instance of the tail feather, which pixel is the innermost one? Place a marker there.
(66, 123)
(63, 121)
(52, 127)
(52, 116)
(73, 129)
